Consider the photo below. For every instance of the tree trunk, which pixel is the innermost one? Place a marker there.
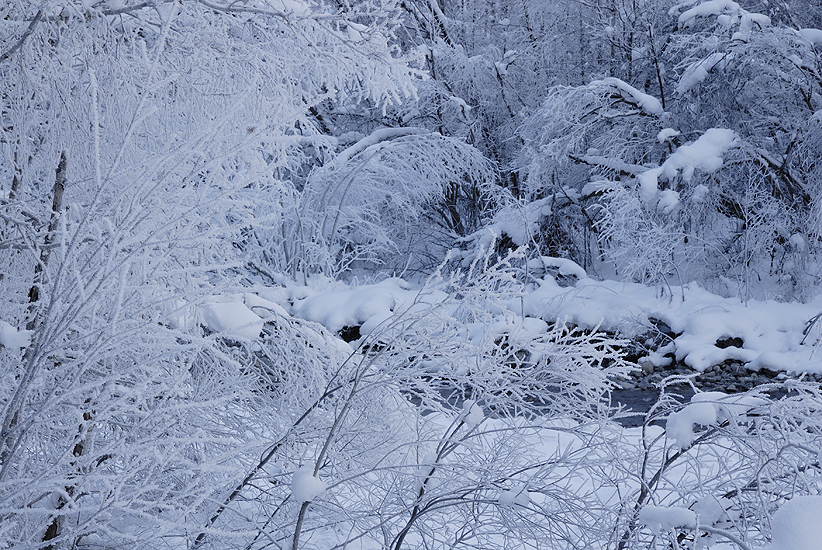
(56, 207)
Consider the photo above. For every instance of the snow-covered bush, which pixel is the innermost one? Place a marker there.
(397, 199)
(710, 173)
(135, 138)
(430, 430)
(721, 467)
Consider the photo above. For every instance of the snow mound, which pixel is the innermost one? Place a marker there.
(12, 338)
(304, 486)
(814, 36)
(365, 306)
(564, 266)
(771, 332)
(262, 307)
(232, 318)
(796, 525)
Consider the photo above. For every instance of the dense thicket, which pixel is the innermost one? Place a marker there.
(161, 160)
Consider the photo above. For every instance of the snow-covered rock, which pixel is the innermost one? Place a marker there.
(232, 319)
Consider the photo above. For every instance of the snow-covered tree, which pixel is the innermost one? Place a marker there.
(739, 96)
(136, 139)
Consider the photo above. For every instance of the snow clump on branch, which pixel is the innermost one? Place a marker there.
(705, 154)
(305, 487)
(648, 103)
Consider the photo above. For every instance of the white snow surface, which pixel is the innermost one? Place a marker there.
(565, 266)
(232, 318)
(705, 154)
(661, 518)
(797, 525)
(12, 338)
(771, 331)
(648, 103)
(366, 306)
(304, 486)
(814, 36)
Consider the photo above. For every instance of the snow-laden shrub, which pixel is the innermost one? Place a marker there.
(720, 467)
(718, 158)
(397, 199)
(433, 424)
(136, 137)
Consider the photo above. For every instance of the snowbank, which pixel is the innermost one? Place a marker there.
(771, 332)
(232, 318)
(366, 306)
(797, 526)
(708, 329)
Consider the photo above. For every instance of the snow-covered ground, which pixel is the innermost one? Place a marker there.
(691, 445)
(775, 336)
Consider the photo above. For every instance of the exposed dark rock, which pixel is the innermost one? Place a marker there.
(349, 334)
(768, 372)
(729, 342)
(663, 328)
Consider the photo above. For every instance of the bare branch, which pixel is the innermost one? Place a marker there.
(23, 38)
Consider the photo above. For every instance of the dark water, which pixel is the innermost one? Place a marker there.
(637, 402)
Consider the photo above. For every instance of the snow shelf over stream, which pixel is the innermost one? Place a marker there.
(771, 332)
(706, 329)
